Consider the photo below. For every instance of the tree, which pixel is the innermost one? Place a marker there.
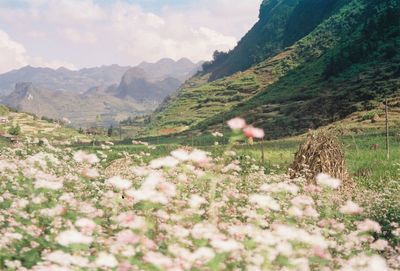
(110, 131)
(15, 130)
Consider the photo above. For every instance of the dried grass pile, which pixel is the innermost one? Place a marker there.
(320, 153)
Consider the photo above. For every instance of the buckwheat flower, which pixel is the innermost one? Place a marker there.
(264, 202)
(351, 208)
(226, 245)
(119, 183)
(379, 244)
(106, 260)
(253, 132)
(90, 173)
(295, 211)
(66, 259)
(302, 200)
(199, 157)
(168, 189)
(86, 225)
(158, 259)
(52, 185)
(196, 201)
(217, 134)
(127, 237)
(70, 237)
(83, 157)
(237, 123)
(328, 181)
(164, 162)
(203, 254)
(130, 220)
(311, 212)
(180, 154)
(369, 226)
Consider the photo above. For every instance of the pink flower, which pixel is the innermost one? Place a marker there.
(130, 220)
(125, 267)
(127, 237)
(351, 208)
(369, 225)
(328, 181)
(253, 132)
(87, 226)
(237, 124)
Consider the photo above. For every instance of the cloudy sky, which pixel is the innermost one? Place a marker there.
(86, 33)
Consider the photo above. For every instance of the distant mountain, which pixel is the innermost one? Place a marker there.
(164, 68)
(140, 86)
(62, 79)
(80, 109)
(112, 92)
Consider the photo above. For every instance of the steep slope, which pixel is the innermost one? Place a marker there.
(281, 23)
(152, 82)
(343, 65)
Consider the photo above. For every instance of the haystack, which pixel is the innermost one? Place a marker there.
(320, 153)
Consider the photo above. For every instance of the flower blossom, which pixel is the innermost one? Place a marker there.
(70, 237)
(328, 181)
(237, 123)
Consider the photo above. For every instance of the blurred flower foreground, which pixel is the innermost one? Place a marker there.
(186, 211)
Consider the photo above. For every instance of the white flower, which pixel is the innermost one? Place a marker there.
(351, 208)
(119, 183)
(196, 201)
(198, 156)
(83, 157)
(328, 181)
(69, 237)
(48, 185)
(180, 154)
(379, 244)
(226, 245)
(264, 201)
(168, 162)
(106, 260)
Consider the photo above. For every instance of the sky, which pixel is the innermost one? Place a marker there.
(87, 33)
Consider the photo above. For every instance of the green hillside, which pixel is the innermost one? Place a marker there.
(347, 63)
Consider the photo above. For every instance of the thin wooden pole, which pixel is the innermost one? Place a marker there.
(262, 152)
(387, 129)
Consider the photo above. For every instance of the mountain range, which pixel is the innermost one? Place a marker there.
(305, 64)
(104, 95)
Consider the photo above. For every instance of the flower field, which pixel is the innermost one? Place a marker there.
(185, 211)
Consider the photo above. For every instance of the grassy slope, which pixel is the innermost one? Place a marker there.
(34, 127)
(288, 94)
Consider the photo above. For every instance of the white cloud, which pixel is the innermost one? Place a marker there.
(13, 54)
(88, 34)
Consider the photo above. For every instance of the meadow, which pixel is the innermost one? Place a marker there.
(166, 205)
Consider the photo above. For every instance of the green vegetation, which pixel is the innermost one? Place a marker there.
(296, 88)
(15, 130)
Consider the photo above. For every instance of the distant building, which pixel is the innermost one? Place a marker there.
(4, 120)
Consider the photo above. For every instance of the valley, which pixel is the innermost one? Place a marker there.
(281, 153)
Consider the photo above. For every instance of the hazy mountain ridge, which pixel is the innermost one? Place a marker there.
(62, 79)
(62, 93)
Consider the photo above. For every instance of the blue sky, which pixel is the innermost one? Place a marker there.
(84, 33)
